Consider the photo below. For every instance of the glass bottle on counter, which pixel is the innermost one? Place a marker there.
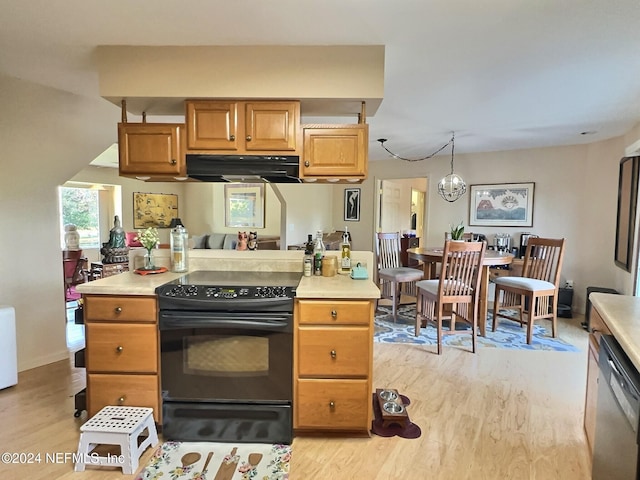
(318, 253)
(179, 243)
(308, 257)
(345, 265)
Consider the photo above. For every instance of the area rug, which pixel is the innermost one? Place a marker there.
(508, 334)
(218, 461)
(410, 430)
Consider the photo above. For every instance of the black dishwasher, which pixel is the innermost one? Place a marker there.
(615, 453)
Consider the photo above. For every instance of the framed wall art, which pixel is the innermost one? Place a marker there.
(244, 205)
(626, 217)
(352, 204)
(154, 209)
(502, 205)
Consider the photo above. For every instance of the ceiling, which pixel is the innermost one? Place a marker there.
(502, 74)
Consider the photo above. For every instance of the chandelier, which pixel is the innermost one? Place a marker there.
(452, 186)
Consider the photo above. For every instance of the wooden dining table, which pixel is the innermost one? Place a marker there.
(431, 256)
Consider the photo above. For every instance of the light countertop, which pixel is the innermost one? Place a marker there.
(621, 313)
(338, 286)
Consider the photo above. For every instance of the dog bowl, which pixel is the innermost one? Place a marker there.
(393, 407)
(388, 395)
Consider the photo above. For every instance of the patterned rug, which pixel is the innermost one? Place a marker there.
(508, 334)
(219, 461)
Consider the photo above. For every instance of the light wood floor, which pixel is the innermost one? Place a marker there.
(498, 414)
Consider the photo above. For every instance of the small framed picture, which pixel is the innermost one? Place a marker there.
(352, 204)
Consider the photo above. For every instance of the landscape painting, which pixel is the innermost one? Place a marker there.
(502, 205)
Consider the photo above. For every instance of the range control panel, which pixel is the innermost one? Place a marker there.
(203, 292)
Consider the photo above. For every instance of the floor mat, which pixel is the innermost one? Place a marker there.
(508, 334)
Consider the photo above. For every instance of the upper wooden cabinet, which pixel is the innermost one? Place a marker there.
(335, 152)
(151, 149)
(243, 127)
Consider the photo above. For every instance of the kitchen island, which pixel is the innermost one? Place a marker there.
(332, 339)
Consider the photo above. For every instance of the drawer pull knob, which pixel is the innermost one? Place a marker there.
(118, 309)
(334, 314)
(332, 404)
(121, 400)
(248, 138)
(306, 163)
(333, 354)
(232, 138)
(119, 348)
(173, 161)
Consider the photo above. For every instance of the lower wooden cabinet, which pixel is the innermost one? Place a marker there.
(333, 365)
(598, 328)
(333, 404)
(128, 390)
(122, 352)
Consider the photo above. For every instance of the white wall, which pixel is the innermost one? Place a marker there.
(46, 136)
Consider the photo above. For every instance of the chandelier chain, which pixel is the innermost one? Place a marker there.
(398, 157)
(453, 146)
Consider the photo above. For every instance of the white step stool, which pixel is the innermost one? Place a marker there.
(116, 426)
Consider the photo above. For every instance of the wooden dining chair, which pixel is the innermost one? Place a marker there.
(391, 273)
(535, 293)
(455, 295)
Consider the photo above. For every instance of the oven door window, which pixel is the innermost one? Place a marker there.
(226, 355)
(226, 364)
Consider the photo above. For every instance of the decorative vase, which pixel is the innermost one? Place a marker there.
(148, 261)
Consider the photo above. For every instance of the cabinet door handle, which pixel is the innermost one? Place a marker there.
(232, 138)
(334, 314)
(121, 400)
(248, 138)
(332, 404)
(306, 163)
(333, 354)
(118, 309)
(173, 161)
(119, 348)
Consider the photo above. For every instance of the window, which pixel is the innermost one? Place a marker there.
(80, 207)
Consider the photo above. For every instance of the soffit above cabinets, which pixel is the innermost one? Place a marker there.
(328, 80)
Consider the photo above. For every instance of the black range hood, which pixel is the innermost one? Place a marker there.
(243, 168)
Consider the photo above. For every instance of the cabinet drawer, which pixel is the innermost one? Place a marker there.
(125, 309)
(335, 312)
(122, 348)
(333, 405)
(127, 390)
(334, 352)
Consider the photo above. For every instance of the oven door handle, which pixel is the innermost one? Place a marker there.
(174, 322)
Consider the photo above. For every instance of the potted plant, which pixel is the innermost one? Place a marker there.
(457, 232)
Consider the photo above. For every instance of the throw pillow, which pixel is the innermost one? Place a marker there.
(216, 240)
(200, 241)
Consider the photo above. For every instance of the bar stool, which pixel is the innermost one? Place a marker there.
(116, 426)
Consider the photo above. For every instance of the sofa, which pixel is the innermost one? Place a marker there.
(228, 241)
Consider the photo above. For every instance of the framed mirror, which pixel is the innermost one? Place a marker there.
(244, 205)
(626, 217)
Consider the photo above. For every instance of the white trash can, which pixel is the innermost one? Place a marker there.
(8, 351)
